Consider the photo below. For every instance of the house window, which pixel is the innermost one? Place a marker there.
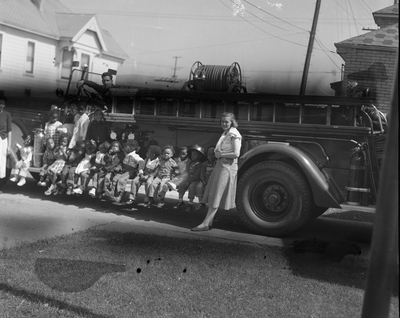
(66, 64)
(30, 57)
(1, 46)
(85, 60)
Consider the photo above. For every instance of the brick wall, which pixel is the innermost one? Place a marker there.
(371, 68)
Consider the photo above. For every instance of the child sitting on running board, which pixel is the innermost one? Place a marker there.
(75, 155)
(49, 157)
(113, 160)
(182, 162)
(54, 171)
(197, 156)
(82, 170)
(94, 170)
(167, 168)
(145, 176)
(20, 170)
(130, 167)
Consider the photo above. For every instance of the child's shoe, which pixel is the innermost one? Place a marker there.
(160, 205)
(69, 189)
(92, 192)
(13, 179)
(179, 204)
(42, 184)
(49, 191)
(21, 182)
(77, 191)
(118, 198)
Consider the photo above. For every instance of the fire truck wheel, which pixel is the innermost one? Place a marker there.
(273, 199)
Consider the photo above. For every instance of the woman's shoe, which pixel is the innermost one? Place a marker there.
(201, 206)
(201, 229)
(160, 205)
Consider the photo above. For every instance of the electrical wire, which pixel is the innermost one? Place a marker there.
(325, 52)
(266, 12)
(262, 30)
(348, 14)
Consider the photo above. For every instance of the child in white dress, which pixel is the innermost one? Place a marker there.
(20, 170)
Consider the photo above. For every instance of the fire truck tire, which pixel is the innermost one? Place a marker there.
(273, 199)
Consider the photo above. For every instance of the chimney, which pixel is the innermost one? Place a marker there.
(37, 3)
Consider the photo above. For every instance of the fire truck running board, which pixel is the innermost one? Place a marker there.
(370, 209)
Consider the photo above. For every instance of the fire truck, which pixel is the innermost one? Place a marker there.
(300, 155)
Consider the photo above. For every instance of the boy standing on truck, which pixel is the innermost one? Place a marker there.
(103, 90)
(50, 128)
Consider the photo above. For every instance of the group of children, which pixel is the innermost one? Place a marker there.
(104, 170)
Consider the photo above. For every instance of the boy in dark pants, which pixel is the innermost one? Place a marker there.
(130, 167)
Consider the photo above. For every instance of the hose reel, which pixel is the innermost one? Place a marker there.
(215, 78)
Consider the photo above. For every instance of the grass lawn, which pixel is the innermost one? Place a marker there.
(103, 274)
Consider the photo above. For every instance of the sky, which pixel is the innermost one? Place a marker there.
(267, 39)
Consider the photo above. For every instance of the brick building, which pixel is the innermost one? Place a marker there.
(370, 60)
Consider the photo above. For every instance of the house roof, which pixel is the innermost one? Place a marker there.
(391, 11)
(25, 15)
(50, 18)
(385, 38)
(387, 16)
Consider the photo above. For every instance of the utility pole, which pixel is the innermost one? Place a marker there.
(176, 68)
(309, 49)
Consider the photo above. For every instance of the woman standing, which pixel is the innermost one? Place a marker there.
(5, 142)
(220, 191)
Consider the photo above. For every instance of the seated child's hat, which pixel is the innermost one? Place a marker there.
(198, 149)
(156, 150)
(105, 145)
(131, 142)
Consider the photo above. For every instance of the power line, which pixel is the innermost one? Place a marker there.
(266, 12)
(272, 35)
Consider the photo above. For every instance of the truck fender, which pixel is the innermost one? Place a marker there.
(325, 194)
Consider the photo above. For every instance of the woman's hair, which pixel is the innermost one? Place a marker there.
(232, 117)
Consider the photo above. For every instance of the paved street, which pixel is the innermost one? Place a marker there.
(28, 215)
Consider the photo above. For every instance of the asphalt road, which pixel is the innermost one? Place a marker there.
(27, 215)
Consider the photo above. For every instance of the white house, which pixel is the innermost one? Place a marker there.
(39, 40)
